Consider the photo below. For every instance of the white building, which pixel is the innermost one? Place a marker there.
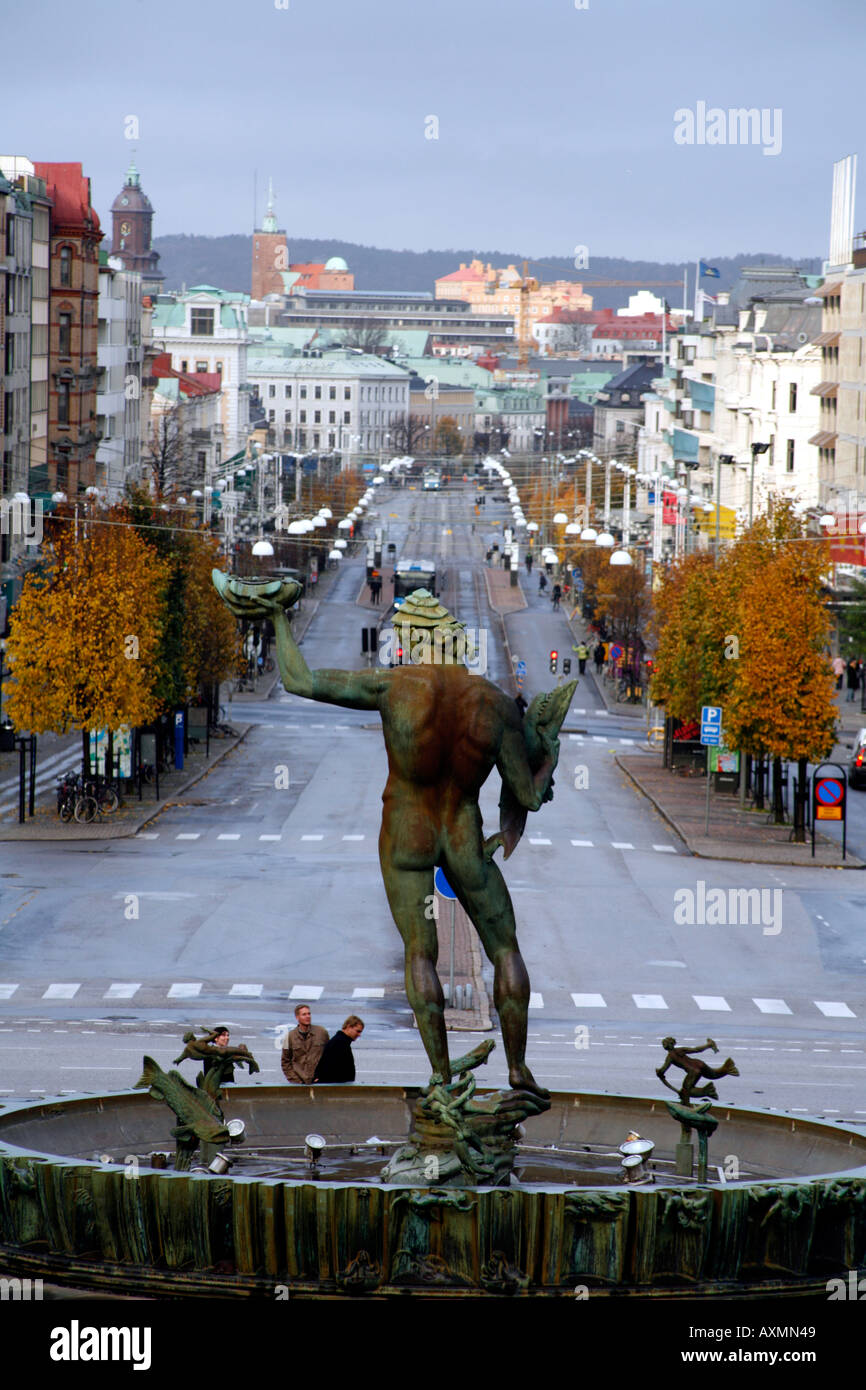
(119, 355)
(338, 400)
(206, 330)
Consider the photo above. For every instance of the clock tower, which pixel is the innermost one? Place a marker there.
(132, 219)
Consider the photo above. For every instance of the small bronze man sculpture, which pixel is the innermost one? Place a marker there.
(445, 730)
(695, 1071)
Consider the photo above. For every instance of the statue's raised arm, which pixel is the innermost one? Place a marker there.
(257, 599)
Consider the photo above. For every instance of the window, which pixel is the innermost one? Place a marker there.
(10, 236)
(272, 415)
(63, 403)
(792, 397)
(219, 368)
(272, 391)
(10, 294)
(201, 323)
(201, 457)
(218, 454)
(287, 392)
(303, 393)
(331, 440)
(332, 393)
(789, 462)
(66, 265)
(287, 417)
(64, 341)
(201, 366)
(303, 417)
(347, 417)
(10, 354)
(183, 366)
(317, 392)
(315, 441)
(332, 417)
(347, 393)
(317, 417)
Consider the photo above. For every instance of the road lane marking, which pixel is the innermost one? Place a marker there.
(189, 835)
(6, 991)
(312, 837)
(353, 837)
(621, 844)
(665, 849)
(589, 1001)
(833, 1009)
(313, 992)
(362, 992)
(585, 843)
(270, 837)
(182, 991)
(248, 991)
(121, 991)
(539, 840)
(712, 1001)
(649, 1001)
(536, 1000)
(772, 1006)
(61, 991)
(228, 837)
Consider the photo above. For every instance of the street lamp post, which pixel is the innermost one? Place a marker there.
(720, 459)
(756, 449)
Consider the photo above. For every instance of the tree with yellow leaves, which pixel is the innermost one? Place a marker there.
(84, 633)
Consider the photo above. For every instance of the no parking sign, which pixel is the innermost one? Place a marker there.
(829, 798)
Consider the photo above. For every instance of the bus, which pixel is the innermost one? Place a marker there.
(432, 480)
(413, 574)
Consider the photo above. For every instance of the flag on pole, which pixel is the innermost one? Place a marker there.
(710, 270)
(709, 298)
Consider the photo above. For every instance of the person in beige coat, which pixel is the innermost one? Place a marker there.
(302, 1048)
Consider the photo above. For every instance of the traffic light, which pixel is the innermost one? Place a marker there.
(554, 660)
(566, 665)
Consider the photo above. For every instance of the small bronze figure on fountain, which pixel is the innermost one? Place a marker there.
(695, 1071)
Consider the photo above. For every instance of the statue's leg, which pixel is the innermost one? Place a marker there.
(481, 889)
(410, 895)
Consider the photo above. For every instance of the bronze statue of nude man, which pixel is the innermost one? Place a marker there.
(445, 730)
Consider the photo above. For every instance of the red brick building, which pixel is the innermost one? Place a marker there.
(72, 328)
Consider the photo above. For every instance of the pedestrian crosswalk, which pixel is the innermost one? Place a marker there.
(323, 838)
(555, 1001)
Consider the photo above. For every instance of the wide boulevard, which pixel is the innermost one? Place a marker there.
(253, 894)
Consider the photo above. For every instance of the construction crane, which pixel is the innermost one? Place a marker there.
(525, 341)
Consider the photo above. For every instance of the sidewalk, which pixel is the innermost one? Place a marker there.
(133, 814)
(740, 834)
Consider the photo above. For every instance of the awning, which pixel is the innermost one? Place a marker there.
(825, 439)
(827, 340)
(685, 446)
(703, 394)
(826, 291)
(825, 388)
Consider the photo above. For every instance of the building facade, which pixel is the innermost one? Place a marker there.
(206, 330)
(75, 235)
(340, 400)
(120, 356)
(490, 290)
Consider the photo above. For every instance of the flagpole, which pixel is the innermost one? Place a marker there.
(685, 291)
(697, 287)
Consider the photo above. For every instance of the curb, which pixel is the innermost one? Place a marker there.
(850, 862)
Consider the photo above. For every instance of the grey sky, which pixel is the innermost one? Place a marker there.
(555, 124)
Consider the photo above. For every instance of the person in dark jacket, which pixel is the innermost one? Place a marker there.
(852, 679)
(336, 1062)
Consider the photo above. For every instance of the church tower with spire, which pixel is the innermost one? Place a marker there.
(132, 222)
(270, 254)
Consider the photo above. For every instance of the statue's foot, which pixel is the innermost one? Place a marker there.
(521, 1079)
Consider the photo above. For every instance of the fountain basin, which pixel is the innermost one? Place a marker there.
(794, 1218)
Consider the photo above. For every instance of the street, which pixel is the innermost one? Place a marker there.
(252, 895)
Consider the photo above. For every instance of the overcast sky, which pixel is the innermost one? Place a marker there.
(555, 124)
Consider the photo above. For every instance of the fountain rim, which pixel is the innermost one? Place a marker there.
(777, 1120)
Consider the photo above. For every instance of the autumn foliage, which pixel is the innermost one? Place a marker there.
(84, 635)
(750, 634)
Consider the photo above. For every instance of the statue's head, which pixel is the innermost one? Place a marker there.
(429, 634)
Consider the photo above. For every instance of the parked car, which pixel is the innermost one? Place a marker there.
(857, 761)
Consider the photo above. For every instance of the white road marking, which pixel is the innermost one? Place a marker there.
(589, 1001)
(189, 835)
(626, 740)
(353, 837)
(621, 844)
(665, 849)
(184, 991)
(6, 991)
(61, 991)
(772, 1006)
(587, 844)
(121, 991)
(270, 837)
(539, 840)
(228, 837)
(313, 992)
(536, 1000)
(362, 992)
(147, 835)
(248, 991)
(832, 1009)
(712, 1001)
(649, 1001)
(312, 837)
